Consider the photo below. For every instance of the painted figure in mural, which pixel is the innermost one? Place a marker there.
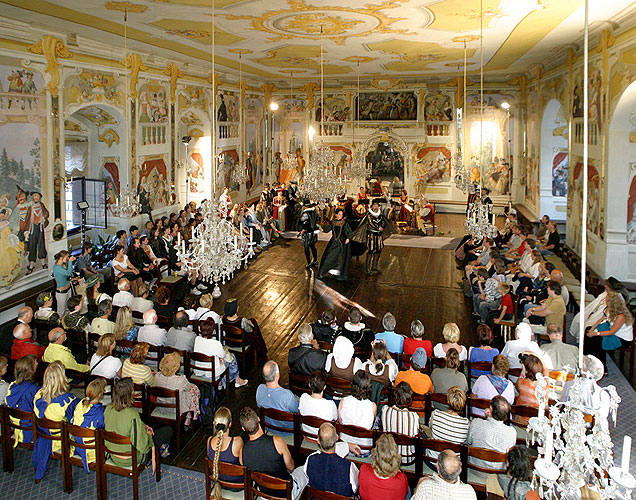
(29, 85)
(37, 221)
(301, 163)
(631, 227)
(19, 215)
(144, 200)
(16, 84)
(577, 102)
(11, 248)
(249, 183)
(475, 174)
(111, 195)
(222, 113)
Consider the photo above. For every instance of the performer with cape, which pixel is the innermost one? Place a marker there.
(374, 228)
(337, 256)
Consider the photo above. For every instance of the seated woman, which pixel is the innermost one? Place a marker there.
(527, 384)
(188, 393)
(89, 413)
(485, 352)
(381, 367)
(141, 261)
(358, 409)
(123, 268)
(103, 363)
(445, 378)
(516, 483)
(121, 418)
(449, 425)
(223, 448)
(21, 393)
(451, 338)
(135, 368)
(315, 404)
(163, 307)
(101, 324)
(383, 479)
(54, 402)
(208, 345)
(354, 329)
(250, 329)
(494, 384)
(398, 418)
(416, 340)
(45, 312)
(93, 295)
(340, 362)
(125, 328)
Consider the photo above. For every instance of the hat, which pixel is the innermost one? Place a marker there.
(231, 306)
(43, 298)
(419, 358)
(90, 281)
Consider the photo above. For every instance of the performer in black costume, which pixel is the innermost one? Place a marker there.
(309, 232)
(337, 256)
(374, 229)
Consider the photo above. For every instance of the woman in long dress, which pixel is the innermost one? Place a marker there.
(337, 257)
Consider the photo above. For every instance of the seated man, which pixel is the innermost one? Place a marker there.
(102, 324)
(522, 343)
(492, 433)
(55, 351)
(141, 303)
(553, 309)
(272, 395)
(326, 470)
(356, 331)
(123, 297)
(150, 332)
(268, 454)
(22, 343)
(180, 336)
(394, 341)
(446, 483)
(306, 358)
(73, 319)
(557, 354)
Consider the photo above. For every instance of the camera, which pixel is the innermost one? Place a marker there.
(522, 357)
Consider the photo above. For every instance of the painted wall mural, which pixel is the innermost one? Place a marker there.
(534, 143)
(631, 211)
(560, 173)
(94, 86)
(381, 106)
(432, 166)
(227, 107)
(224, 171)
(336, 110)
(110, 172)
(596, 210)
(153, 103)
(254, 141)
(153, 187)
(438, 108)
(24, 216)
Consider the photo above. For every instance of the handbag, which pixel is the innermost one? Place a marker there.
(610, 342)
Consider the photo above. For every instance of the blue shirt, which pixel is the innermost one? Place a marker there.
(62, 274)
(394, 341)
(477, 354)
(278, 399)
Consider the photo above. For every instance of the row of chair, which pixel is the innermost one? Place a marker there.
(70, 437)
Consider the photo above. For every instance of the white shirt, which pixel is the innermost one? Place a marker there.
(317, 407)
(209, 347)
(107, 368)
(141, 305)
(152, 334)
(513, 348)
(123, 265)
(123, 298)
(201, 314)
(438, 352)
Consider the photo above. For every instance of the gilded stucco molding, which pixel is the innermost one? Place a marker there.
(52, 48)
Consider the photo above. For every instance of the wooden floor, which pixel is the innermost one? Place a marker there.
(280, 294)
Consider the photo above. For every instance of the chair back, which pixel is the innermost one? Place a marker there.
(182, 355)
(514, 372)
(196, 326)
(260, 485)
(76, 342)
(485, 366)
(201, 362)
(12, 419)
(123, 347)
(306, 430)
(41, 425)
(80, 438)
(359, 433)
(225, 469)
(325, 495)
(155, 353)
(138, 318)
(78, 380)
(410, 447)
(267, 415)
(162, 397)
(325, 346)
(106, 441)
(477, 403)
(164, 322)
(115, 310)
(338, 387)
(299, 383)
(487, 455)
(434, 397)
(93, 338)
(232, 336)
(438, 446)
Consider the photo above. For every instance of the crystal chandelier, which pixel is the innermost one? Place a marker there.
(214, 251)
(480, 220)
(128, 204)
(574, 453)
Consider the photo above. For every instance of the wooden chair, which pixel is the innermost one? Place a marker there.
(19, 420)
(138, 318)
(325, 346)
(306, 433)
(41, 331)
(338, 387)
(93, 338)
(437, 445)
(514, 372)
(78, 380)
(485, 366)
(418, 404)
(473, 470)
(86, 440)
(226, 469)
(235, 340)
(196, 326)
(204, 363)
(360, 433)
(476, 403)
(164, 322)
(429, 399)
(123, 348)
(115, 310)
(182, 355)
(325, 495)
(410, 447)
(159, 400)
(106, 440)
(155, 353)
(522, 414)
(258, 485)
(271, 419)
(53, 431)
(298, 383)
(76, 340)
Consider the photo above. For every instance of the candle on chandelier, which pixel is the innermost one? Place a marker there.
(178, 239)
(235, 242)
(627, 450)
(183, 247)
(541, 411)
(549, 445)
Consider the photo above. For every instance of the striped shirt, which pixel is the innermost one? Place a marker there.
(447, 427)
(402, 421)
(141, 374)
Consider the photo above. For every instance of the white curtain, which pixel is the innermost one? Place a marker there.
(76, 158)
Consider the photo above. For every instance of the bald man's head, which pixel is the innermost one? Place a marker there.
(150, 317)
(449, 466)
(327, 436)
(22, 331)
(57, 335)
(25, 314)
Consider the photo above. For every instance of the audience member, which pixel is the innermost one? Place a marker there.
(416, 340)
(485, 352)
(449, 376)
(25, 315)
(62, 273)
(306, 358)
(356, 331)
(326, 328)
(250, 329)
(23, 344)
(141, 303)
(552, 310)
(56, 351)
(89, 413)
(595, 397)
(527, 383)
(381, 367)
(450, 424)
(73, 319)
(103, 363)
(451, 333)
(125, 328)
(446, 483)
(123, 297)
(522, 343)
(135, 368)
(162, 306)
(315, 404)
(272, 395)
(21, 393)
(383, 479)
(398, 418)
(222, 447)
(358, 409)
(188, 392)
(180, 335)
(493, 384)
(556, 353)
(151, 332)
(516, 483)
(394, 341)
(45, 312)
(420, 382)
(204, 311)
(102, 324)
(340, 362)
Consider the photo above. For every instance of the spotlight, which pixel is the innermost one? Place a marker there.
(273, 106)
(311, 132)
(505, 105)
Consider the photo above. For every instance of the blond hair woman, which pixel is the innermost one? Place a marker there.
(223, 447)
(89, 413)
(614, 330)
(188, 393)
(451, 334)
(103, 363)
(383, 479)
(125, 328)
(54, 402)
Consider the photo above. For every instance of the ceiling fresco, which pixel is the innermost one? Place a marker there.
(405, 38)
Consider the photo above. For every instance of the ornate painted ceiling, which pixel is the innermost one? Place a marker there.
(389, 38)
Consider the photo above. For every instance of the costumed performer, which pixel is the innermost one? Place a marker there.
(309, 232)
(337, 256)
(374, 229)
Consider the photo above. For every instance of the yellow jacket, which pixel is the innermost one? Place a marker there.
(58, 352)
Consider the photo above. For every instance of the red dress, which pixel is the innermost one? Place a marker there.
(373, 487)
(411, 344)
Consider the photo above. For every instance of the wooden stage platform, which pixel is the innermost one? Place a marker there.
(416, 283)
